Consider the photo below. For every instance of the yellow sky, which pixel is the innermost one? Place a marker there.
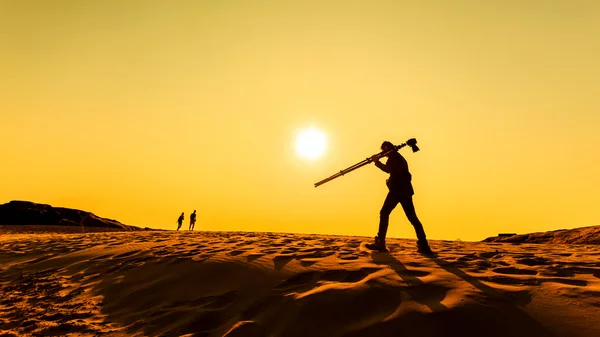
(140, 110)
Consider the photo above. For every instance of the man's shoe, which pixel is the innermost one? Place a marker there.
(379, 245)
(424, 249)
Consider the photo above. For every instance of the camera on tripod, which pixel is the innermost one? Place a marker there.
(413, 144)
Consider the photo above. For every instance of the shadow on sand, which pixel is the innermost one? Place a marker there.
(492, 314)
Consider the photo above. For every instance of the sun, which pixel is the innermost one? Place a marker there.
(310, 143)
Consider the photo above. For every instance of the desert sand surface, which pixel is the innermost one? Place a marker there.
(167, 283)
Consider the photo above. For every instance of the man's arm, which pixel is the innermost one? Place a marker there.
(382, 166)
(393, 164)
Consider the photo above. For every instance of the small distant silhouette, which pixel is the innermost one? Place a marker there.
(192, 220)
(400, 192)
(180, 221)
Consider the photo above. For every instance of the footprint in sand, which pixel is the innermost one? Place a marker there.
(582, 270)
(513, 270)
(556, 271)
(571, 282)
(253, 256)
(281, 260)
(536, 261)
(348, 257)
(236, 252)
(288, 241)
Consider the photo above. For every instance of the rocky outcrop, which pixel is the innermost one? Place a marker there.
(28, 213)
(581, 235)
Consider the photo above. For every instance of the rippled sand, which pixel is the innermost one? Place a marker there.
(168, 283)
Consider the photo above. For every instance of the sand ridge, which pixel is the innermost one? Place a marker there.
(278, 284)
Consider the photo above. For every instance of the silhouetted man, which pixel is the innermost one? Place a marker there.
(192, 220)
(180, 221)
(400, 192)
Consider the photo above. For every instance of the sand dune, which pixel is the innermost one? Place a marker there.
(581, 235)
(275, 284)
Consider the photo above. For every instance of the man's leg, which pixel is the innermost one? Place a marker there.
(411, 214)
(384, 214)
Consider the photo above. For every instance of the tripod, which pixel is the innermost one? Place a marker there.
(411, 142)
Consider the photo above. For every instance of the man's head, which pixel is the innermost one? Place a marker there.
(386, 146)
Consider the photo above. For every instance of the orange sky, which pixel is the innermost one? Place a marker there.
(138, 111)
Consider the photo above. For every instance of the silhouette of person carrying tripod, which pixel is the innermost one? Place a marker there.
(400, 192)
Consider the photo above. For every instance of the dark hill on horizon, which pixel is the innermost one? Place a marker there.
(589, 235)
(27, 213)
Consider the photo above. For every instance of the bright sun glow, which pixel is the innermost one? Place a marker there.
(310, 143)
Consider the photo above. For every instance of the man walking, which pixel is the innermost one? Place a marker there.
(400, 192)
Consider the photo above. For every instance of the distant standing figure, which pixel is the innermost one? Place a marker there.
(180, 221)
(192, 220)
